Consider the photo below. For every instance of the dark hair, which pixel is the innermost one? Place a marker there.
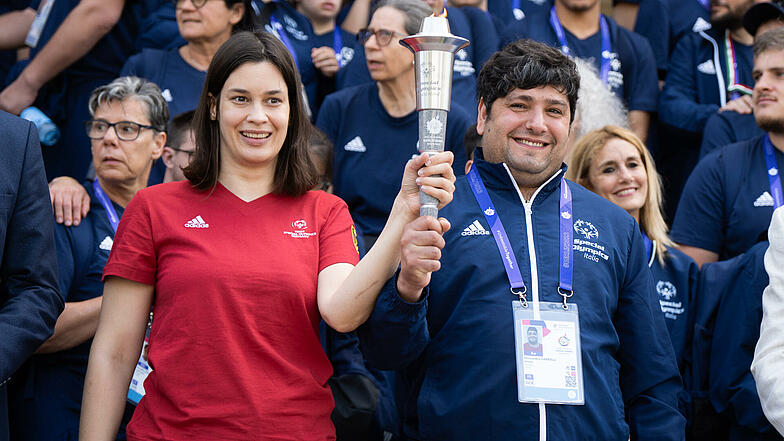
(527, 64)
(770, 40)
(246, 22)
(321, 148)
(178, 128)
(294, 170)
(471, 140)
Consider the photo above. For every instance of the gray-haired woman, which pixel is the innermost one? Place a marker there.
(127, 133)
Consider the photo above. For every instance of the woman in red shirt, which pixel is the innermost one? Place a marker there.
(241, 262)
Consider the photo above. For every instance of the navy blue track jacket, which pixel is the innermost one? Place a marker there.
(457, 344)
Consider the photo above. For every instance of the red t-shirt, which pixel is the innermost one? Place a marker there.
(235, 340)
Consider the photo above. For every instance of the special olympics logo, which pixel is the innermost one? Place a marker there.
(666, 289)
(586, 229)
(299, 224)
(489, 212)
(566, 215)
(434, 126)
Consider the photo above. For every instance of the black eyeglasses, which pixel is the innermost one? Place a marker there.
(125, 130)
(383, 36)
(187, 152)
(196, 3)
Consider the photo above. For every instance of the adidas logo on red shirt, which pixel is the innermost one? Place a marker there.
(197, 222)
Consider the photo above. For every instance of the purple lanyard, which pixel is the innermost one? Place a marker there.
(107, 205)
(606, 47)
(773, 173)
(705, 4)
(505, 248)
(337, 46)
(283, 36)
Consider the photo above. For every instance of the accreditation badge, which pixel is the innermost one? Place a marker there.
(547, 354)
(140, 373)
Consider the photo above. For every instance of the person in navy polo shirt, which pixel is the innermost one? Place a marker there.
(729, 198)
(624, 59)
(524, 249)
(709, 71)
(730, 126)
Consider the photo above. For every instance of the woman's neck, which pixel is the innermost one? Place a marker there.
(398, 96)
(247, 183)
(199, 53)
(121, 193)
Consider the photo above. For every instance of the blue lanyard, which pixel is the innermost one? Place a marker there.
(648, 245)
(107, 205)
(705, 4)
(337, 46)
(606, 47)
(283, 36)
(773, 173)
(505, 248)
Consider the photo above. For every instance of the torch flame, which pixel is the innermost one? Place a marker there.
(439, 10)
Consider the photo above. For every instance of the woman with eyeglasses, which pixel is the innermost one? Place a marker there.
(205, 25)
(241, 262)
(374, 126)
(614, 163)
(127, 133)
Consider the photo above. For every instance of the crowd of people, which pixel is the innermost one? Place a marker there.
(210, 229)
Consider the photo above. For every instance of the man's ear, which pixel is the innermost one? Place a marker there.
(481, 117)
(468, 165)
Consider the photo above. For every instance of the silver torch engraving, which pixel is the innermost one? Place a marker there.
(434, 49)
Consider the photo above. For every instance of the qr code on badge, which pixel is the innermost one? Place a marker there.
(570, 381)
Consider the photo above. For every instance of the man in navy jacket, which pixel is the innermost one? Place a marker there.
(451, 332)
(29, 299)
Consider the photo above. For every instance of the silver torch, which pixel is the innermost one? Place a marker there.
(434, 49)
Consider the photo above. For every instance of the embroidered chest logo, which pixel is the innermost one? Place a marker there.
(764, 200)
(475, 229)
(586, 229)
(463, 65)
(300, 230)
(587, 245)
(197, 222)
(667, 291)
(355, 145)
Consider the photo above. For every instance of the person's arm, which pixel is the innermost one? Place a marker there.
(28, 272)
(640, 122)
(678, 104)
(699, 255)
(718, 132)
(115, 350)
(346, 295)
(84, 26)
(769, 353)
(357, 17)
(76, 325)
(70, 201)
(15, 26)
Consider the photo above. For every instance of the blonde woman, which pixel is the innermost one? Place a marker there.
(613, 163)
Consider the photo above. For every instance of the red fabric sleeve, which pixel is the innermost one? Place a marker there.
(133, 252)
(337, 238)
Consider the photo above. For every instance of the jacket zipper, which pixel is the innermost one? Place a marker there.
(528, 207)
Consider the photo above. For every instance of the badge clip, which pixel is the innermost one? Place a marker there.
(565, 294)
(521, 295)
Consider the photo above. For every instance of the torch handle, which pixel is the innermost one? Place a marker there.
(432, 136)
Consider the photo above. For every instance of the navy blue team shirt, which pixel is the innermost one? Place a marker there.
(633, 74)
(726, 205)
(371, 149)
(729, 127)
(180, 83)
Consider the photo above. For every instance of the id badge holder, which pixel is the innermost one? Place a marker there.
(31, 40)
(140, 373)
(547, 354)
